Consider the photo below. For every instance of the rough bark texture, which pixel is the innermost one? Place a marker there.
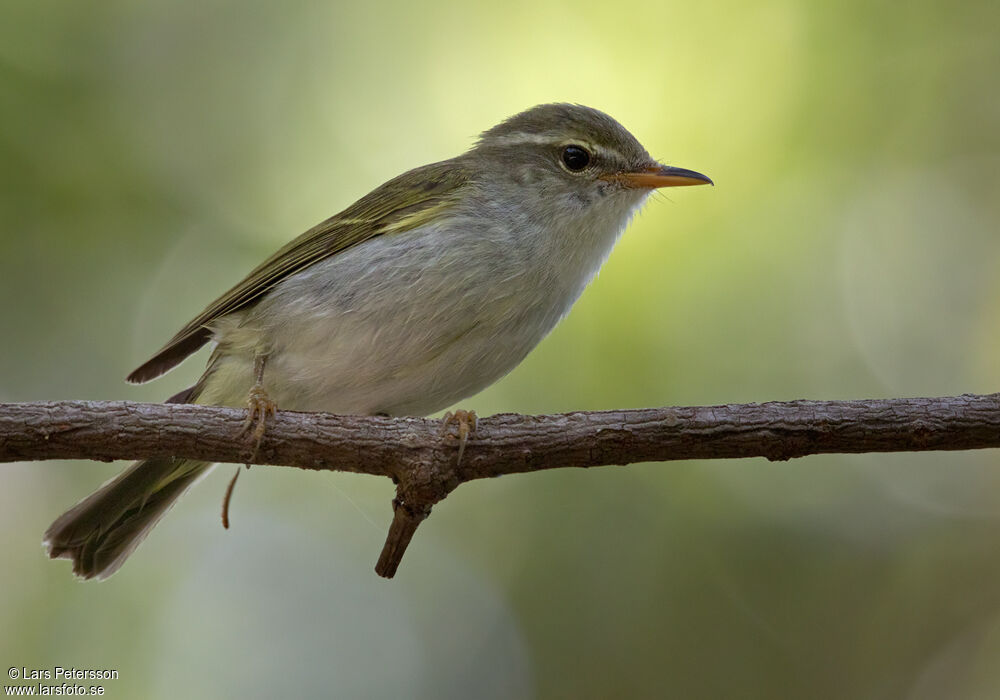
(422, 463)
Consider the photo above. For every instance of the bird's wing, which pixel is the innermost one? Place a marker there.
(399, 205)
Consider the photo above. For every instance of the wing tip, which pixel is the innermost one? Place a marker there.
(147, 372)
(169, 357)
(136, 377)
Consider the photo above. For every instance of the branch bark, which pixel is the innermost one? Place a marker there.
(423, 464)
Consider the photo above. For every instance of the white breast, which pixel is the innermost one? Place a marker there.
(410, 323)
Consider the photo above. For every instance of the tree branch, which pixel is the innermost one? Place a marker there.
(422, 463)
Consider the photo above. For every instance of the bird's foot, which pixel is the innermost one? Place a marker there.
(259, 408)
(466, 421)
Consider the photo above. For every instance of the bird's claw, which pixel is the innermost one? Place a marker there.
(467, 422)
(259, 408)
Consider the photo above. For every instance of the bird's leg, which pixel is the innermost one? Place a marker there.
(259, 406)
(466, 422)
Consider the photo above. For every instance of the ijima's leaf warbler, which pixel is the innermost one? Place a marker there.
(418, 295)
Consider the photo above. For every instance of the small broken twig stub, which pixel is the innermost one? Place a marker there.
(424, 464)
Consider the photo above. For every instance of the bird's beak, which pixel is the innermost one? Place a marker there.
(657, 175)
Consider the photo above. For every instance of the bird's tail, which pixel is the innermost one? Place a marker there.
(102, 530)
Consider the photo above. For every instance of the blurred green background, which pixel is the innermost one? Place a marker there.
(152, 153)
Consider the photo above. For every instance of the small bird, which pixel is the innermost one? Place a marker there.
(420, 294)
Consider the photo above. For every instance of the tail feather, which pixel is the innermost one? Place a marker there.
(99, 533)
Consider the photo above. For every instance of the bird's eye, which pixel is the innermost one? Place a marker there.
(576, 158)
